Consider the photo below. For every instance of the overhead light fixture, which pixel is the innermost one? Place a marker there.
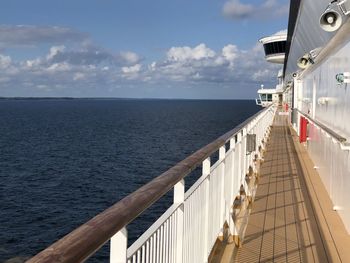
(305, 61)
(331, 19)
(308, 58)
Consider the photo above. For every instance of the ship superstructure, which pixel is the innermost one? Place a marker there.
(271, 96)
(317, 65)
(275, 49)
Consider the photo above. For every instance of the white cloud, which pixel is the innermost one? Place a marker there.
(218, 67)
(59, 67)
(132, 69)
(262, 74)
(54, 51)
(78, 76)
(76, 71)
(130, 57)
(30, 35)
(236, 9)
(230, 52)
(269, 9)
(32, 63)
(281, 32)
(5, 61)
(187, 53)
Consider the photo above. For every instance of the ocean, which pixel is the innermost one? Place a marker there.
(62, 161)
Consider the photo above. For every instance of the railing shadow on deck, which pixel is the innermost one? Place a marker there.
(321, 247)
(314, 249)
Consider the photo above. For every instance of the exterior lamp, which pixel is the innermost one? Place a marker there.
(331, 19)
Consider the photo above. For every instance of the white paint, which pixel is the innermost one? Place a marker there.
(118, 247)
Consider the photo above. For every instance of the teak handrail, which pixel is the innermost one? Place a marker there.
(84, 241)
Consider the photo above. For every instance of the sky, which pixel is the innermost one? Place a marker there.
(194, 49)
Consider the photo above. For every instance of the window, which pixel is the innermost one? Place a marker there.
(269, 97)
(275, 48)
(263, 97)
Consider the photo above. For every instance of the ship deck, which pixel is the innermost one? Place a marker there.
(292, 218)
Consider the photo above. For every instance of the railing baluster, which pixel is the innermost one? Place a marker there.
(240, 153)
(118, 246)
(173, 220)
(179, 197)
(167, 237)
(153, 245)
(244, 155)
(205, 172)
(157, 247)
(147, 252)
(233, 184)
(143, 253)
(222, 155)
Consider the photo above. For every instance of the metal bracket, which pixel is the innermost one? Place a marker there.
(344, 7)
(251, 143)
(345, 146)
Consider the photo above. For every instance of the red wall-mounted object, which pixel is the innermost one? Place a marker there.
(303, 129)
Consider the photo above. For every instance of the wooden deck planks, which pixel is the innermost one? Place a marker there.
(282, 224)
(292, 218)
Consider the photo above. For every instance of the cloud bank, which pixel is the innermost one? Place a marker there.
(88, 70)
(28, 35)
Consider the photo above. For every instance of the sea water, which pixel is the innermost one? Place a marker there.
(62, 161)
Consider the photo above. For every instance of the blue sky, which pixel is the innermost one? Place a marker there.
(152, 49)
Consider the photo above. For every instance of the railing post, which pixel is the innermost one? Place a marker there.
(205, 172)
(244, 152)
(222, 155)
(179, 198)
(240, 153)
(118, 247)
(232, 193)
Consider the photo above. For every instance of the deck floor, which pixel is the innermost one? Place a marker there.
(282, 225)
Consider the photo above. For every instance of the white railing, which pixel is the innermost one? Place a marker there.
(187, 231)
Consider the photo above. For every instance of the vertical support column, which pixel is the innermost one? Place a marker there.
(251, 157)
(240, 153)
(222, 155)
(205, 173)
(244, 154)
(258, 133)
(248, 157)
(233, 186)
(118, 248)
(179, 197)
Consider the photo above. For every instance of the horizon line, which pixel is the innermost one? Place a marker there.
(111, 98)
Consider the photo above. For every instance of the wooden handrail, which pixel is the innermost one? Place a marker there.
(84, 241)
